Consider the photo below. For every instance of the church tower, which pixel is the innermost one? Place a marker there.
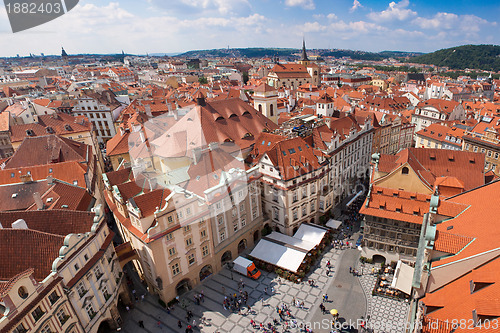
(304, 60)
(265, 100)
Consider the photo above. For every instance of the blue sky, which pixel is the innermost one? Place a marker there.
(140, 26)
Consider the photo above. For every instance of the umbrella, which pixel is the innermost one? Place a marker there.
(334, 312)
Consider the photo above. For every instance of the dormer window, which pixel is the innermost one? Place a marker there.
(49, 130)
(30, 132)
(67, 127)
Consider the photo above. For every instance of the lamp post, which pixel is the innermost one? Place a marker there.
(230, 266)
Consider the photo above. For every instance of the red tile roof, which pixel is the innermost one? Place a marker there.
(60, 123)
(404, 206)
(430, 163)
(21, 249)
(450, 243)
(48, 149)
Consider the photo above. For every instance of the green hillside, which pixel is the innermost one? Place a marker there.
(485, 57)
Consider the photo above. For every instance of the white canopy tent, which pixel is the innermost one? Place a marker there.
(294, 242)
(279, 255)
(310, 233)
(333, 224)
(403, 276)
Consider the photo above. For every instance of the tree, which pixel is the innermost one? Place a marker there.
(202, 80)
(245, 77)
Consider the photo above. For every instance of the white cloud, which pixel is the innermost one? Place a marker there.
(331, 16)
(395, 11)
(306, 4)
(450, 21)
(355, 5)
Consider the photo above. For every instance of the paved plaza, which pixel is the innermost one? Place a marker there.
(220, 320)
(386, 315)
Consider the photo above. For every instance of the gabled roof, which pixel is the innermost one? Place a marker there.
(59, 123)
(57, 195)
(48, 149)
(431, 163)
(404, 206)
(294, 157)
(229, 120)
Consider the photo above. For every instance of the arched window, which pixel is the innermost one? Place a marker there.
(405, 171)
(260, 108)
(271, 110)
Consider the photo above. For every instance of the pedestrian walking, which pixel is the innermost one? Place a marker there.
(272, 290)
(127, 308)
(179, 324)
(194, 322)
(223, 291)
(142, 297)
(141, 323)
(265, 290)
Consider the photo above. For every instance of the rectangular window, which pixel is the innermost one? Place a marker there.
(20, 329)
(45, 329)
(234, 212)
(62, 316)
(242, 207)
(170, 219)
(169, 236)
(220, 219)
(295, 215)
(37, 313)
(243, 223)
(80, 288)
(53, 298)
(312, 207)
(188, 211)
(187, 228)
(222, 235)
(90, 310)
(175, 269)
(191, 259)
(98, 273)
(254, 214)
(189, 242)
(203, 233)
(204, 251)
(218, 205)
(235, 226)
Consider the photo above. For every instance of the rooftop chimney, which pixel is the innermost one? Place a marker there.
(38, 201)
(147, 108)
(196, 155)
(50, 180)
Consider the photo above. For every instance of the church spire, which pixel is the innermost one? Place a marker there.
(304, 54)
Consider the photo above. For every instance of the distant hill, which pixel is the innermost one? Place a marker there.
(261, 52)
(485, 57)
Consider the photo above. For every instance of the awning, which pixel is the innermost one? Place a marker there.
(278, 255)
(353, 199)
(334, 224)
(289, 240)
(310, 233)
(403, 277)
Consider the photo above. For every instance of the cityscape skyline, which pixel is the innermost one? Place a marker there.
(151, 26)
